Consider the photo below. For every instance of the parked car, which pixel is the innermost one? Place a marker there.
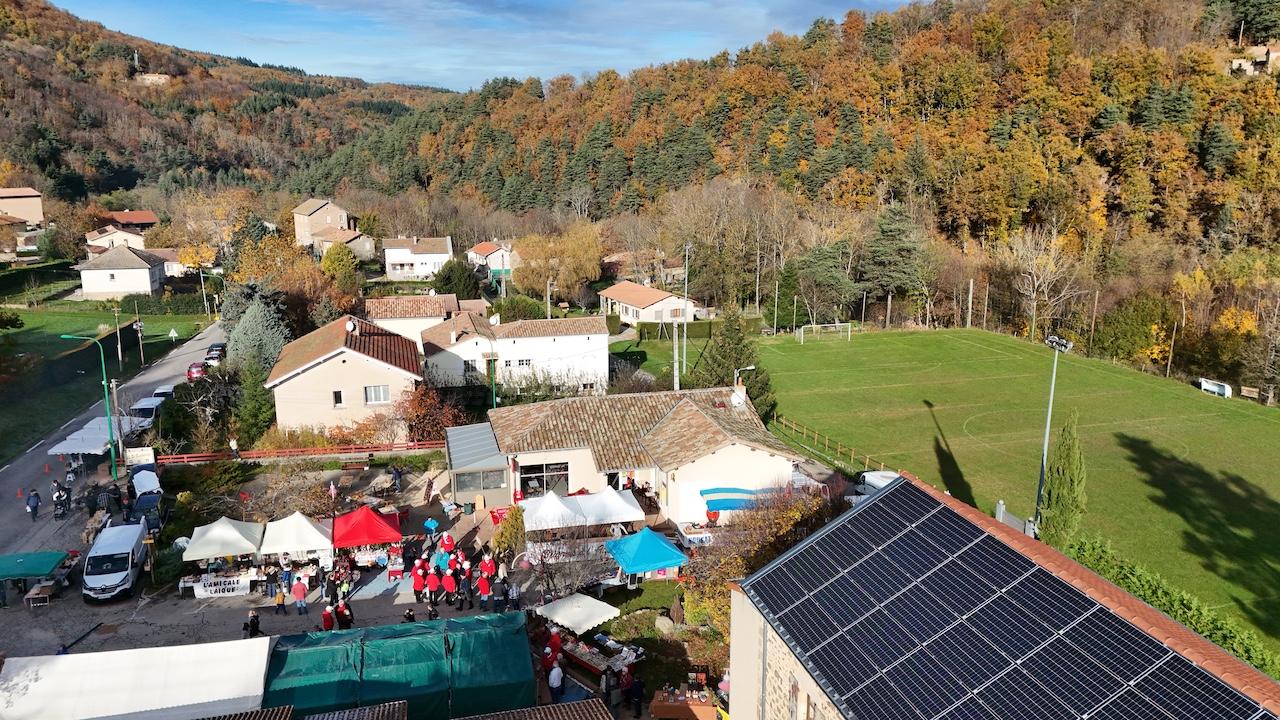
(145, 411)
(219, 349)
(196, 370)
(114, 563)
(213, 360)
(164, 392)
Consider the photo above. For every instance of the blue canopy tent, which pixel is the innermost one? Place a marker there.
(645, 551)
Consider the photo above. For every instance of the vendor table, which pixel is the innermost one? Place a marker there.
(595, 661)
(690, 708)
(39, 595)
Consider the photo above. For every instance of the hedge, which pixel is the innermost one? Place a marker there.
(1152, 588)
(179, 304)
(615, 324)
(14, 280)
(697, 328)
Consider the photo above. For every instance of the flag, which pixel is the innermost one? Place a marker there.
(333, 491)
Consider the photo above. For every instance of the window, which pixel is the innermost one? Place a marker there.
(587, 387)
(111, 277)
(506, 363)
(677, 312)
(337, 398)
(467, 484)
(377, 394)
(469, 367)
(536, 480)
(526, 362)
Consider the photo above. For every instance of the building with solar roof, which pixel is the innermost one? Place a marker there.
(914, 605)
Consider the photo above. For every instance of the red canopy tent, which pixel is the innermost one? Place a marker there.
(365, 527)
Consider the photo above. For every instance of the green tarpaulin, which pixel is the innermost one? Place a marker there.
(443, 668)
(30, 565)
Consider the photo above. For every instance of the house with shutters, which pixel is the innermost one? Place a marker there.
(635, 303)
(361, 245)
(316, 214)
(411, 315)
(121, 271)
(104, 238)
(497, 260)
(414, 258)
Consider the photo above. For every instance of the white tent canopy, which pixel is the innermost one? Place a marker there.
(93, 438)
(295, 534)
(606, 507)
(222, 537)
(578, 612)
(145, 481)
(77, 444)
(177, 682)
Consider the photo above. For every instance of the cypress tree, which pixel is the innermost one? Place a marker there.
(1065, 500)
(456, 277)
(256, 408)
(259, 336)
(731, 348)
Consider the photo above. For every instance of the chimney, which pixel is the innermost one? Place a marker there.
(739, 396)
(453, 337)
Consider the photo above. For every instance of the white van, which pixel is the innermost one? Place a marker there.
(146, 410)
(869, 483)
(163, 392)
(114, 563)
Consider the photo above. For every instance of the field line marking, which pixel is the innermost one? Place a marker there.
(6, 467)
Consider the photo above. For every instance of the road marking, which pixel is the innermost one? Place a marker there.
(33, 447)
(65, 424)
(6, 467)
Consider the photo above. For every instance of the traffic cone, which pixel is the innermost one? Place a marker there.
(46, 468)
(19, 493)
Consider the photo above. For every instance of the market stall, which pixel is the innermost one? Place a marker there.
(574, 528)
(224, 550)
(41, 575)
(297, 536)
(646, 554)
(176, 682)
(577, 612)
(370, 538)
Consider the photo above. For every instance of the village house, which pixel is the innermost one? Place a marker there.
(362, 246)
(413, 258)
(341, 374)
(11, 231)
(22, 202)
(173, 267)
(497, 260)
(690, 451)
(914, 604)
(316, 214)
(103, 239)
(121, 271)
(137, 222)
(467, 349)
(635, 303)
(410, 315)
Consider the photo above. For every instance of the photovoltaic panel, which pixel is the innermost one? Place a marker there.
(842, 664)
(1129, 705)
(913, 554)
(878, 577)
(924, 681)
(843, 602)
(1178, 683)
(876, 523)
(948, 530)
(967, 656)
(811, 569)
(1120, 647)
(1009, 627)
(995, 562)
(1071, 675)
(1051, 600)
(808, 625)
(1016, 696)
(909, 502)
(920, 613)
(882, 639)
(957, 587)
(844, 542)
(879, 700)
(776, 588)
(970, 709)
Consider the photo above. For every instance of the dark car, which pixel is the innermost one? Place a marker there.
(219, 349)
(196, 370)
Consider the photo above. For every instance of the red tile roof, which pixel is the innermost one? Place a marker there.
(461, 327)
(133, 217)
(634, 294)
(591, 709)
(484, 249)
(553, 327)
(367, 339)
(410, 306)
(1207, 655)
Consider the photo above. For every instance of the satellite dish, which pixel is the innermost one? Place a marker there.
(351, 326)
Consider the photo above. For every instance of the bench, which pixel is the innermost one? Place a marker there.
(348, 466)
(1249, 392)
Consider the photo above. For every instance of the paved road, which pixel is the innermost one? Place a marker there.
(17, 532)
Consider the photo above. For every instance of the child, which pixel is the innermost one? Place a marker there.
(280, 609)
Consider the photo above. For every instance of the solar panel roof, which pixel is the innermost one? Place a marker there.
(902, 608)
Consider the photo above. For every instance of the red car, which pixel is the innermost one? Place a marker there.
(195, 371)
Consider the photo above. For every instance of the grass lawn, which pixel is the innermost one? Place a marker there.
(1180, 481)
(30, 416)
(654, 356)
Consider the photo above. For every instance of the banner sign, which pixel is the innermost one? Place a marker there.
(499, 514)
(140, 456)
(219, 586)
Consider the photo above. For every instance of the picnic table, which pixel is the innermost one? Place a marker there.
(681, 705)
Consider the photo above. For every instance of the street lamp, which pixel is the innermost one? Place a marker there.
(1059, 346)
(106, 401)
(739, 371)
(550, 285)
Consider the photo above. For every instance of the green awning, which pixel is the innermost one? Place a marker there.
(30, 565)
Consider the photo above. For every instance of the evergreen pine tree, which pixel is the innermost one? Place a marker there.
(1217, 148)
(1065, 500)
(731, 348)
(256, 408)
(492, 182)
(1110, 116)
(259, 336)
(892, 254)
(456, 277)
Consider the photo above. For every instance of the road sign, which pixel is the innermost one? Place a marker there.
(173, 335)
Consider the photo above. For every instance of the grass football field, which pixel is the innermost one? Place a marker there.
(1183, 482)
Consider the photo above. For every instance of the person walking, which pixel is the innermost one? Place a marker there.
(326, 618)
(466, 587)
(624, 690)
(488, 567)
(611, 691)
(555, 642)
(419, 580)
(449, 584)
(235, 447)
(343, 615)
(446, 542)
(513, 595)
(255, 624)
(300, 596)
(484, 590)
(396, 476)
(637, 695)
(432, 584)
(555, 683)
(280, 601)
(33, 503)
(273, 580)
(331, 588)
(500, 596)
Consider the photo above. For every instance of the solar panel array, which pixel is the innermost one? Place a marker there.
(904, 609)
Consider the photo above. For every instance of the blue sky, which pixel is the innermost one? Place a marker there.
(458, 44)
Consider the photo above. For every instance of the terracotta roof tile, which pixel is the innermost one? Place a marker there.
(634, 294)
(421, 246)
(275, 713)
(591, 709)
(555, 327)
(311, 205)
(410, 306)
(466, 325)
(11, 220)
(398, 710)
(337, 234)
(133, 217)
(624, 431)
(169, 255)
(479, 305)
(368, 340)
(484, 249)
(18, 192)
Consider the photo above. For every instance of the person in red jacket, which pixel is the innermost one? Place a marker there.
(432, 583)
(446, 542)
(554, 642)
(483, 589)
(488, 567)
(326, 618)
(419, 580)
(450, 586)
(548, 659)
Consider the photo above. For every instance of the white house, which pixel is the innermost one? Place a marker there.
(570, 352)
(105, 238)
(635, 303)
(121, 271)
(413, 258)
(173, 267)
(690, 450)
(497, 259)
(317, 214)
(410, 315)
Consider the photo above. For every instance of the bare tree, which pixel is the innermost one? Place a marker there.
(579, 198)
(1045, 275)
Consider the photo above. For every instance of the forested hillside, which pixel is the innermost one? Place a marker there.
(80, 118)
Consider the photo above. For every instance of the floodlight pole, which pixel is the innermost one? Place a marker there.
(1059, 346)
(106, 402)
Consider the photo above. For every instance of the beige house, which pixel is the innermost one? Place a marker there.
(636, 303)
(362, 246)
(317, 214)
(22, 202)
(121, 271)
(342, 373)
(410, 315)
(105, 238)
(11, 230)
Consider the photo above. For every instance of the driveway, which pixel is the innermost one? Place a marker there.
(17, 532)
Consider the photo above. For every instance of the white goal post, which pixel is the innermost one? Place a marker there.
(825, 331)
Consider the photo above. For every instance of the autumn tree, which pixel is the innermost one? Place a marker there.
(568, 260)
(1046, 276)
(426, 413)
(342, 266)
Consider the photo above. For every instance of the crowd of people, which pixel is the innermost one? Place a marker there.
(444, 574)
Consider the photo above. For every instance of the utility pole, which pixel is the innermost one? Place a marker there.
(775, 306)
(986, 303)
(1059, 346)
(116, 414)
(968, 318)
(115, 309)
(1093, 317)
(862, 323)
(203, 295)
(684, 357)
(137, 325)
(675, 357)
(888, 313)
(794, 298)
(549, 283)
(1168, 366)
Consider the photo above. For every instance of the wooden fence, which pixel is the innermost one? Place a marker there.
(300, 452)
(826, 448)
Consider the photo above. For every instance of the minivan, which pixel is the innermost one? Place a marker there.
(113, 565)
(163, 392)
(869, 483)
(146, 410)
